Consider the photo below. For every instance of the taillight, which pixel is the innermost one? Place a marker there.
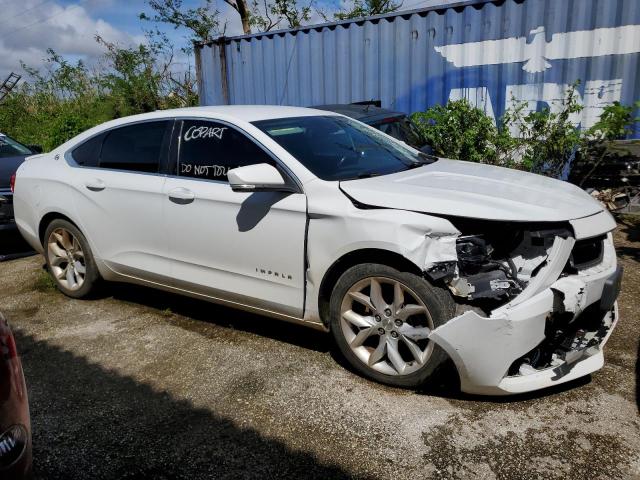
(12, 183)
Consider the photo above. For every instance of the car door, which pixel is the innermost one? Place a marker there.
(120, 196)
(246, 248)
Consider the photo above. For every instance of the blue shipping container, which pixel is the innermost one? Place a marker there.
(490, 52)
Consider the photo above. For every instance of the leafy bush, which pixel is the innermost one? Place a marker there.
(458, 130)
(546, 140)
(614, 123)
(543, 142)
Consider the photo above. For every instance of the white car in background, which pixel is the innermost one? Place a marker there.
(315, 218)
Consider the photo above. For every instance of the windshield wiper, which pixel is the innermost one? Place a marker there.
(425, 159)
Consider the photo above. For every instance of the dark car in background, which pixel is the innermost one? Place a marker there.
(15, 424)
(12, 154)
(396, 124)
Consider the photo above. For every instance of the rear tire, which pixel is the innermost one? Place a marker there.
(380, 319)
(69, 259)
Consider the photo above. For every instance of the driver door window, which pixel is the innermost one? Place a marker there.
(208, 150)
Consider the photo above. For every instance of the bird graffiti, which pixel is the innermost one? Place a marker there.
(536, 52)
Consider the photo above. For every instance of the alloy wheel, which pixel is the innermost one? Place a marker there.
(66, 259)
(386, 325)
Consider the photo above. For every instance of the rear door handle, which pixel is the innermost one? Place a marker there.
(181, 196)
(95, 185)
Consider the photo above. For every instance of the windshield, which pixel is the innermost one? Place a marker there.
(339, 148)
(10, 148)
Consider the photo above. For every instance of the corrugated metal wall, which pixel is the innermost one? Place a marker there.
(489, 52)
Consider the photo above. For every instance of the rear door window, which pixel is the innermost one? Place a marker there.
(208, 150)
(136, 147)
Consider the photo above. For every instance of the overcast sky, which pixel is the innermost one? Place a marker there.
(29, 27)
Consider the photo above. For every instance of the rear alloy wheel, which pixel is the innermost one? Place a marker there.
(381, 320)
(69, 259)
(66, 259)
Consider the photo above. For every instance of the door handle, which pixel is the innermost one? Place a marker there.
(181, 196)
(96, 185)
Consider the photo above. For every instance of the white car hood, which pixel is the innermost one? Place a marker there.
(473, 190)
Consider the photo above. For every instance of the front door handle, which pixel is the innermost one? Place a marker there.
(181, 196)
(95, 185)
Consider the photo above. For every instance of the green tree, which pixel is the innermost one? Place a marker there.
(203, 22)
(271, 15)
(365, 8)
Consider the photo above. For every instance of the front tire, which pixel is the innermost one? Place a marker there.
(69, 259)
(381, 318)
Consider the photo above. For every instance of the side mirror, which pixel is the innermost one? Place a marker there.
(35, 148)
(261, 177)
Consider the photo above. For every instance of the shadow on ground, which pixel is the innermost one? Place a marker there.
(12, 245)
(446, 386)
(638, 379)
(93, 423)
(210, 313)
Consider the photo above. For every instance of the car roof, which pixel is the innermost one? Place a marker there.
(230, 113)
(359, 112)
(247, 113)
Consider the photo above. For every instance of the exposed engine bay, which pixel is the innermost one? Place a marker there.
(497, 264)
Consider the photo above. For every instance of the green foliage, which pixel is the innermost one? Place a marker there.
(365, 8)
(458, 130)
(44, 282)
(270, 15)
(291, 12)
(543, 141)
(64, 99)
(547, 139)
(53, 105)
(203, 22)
(615, 123)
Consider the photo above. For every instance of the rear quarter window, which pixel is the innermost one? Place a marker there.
(88, 153)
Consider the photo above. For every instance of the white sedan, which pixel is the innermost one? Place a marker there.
(312, 217)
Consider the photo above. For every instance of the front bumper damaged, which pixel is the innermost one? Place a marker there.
(485, 349)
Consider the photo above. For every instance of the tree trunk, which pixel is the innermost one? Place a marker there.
(243, 10)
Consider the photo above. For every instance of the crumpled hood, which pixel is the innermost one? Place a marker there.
(473, 190)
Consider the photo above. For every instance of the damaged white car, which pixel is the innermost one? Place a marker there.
(315, 218)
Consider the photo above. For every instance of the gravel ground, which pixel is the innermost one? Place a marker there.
(140, 383)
